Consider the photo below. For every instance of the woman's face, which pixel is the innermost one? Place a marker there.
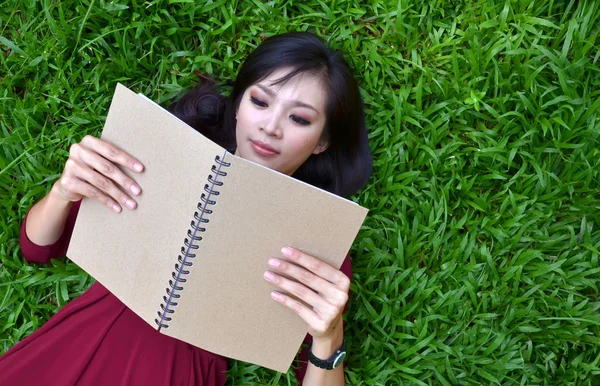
(279, 126)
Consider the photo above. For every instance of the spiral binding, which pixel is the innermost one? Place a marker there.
(190, 242)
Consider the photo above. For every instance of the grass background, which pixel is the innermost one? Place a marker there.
(478, 263)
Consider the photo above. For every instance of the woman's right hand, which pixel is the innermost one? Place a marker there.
(91, 171)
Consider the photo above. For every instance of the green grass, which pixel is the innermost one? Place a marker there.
(478, 263)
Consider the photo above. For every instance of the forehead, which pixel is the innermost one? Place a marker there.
(305, 87)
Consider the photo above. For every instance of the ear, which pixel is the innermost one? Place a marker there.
(321, 147)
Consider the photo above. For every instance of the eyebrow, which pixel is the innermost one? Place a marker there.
(271, 93)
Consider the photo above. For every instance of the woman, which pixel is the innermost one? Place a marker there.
(295, 108)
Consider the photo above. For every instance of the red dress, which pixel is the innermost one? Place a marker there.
(97, 340)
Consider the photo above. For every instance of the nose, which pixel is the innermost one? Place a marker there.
(271, 125)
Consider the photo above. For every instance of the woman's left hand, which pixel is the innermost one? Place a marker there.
(320, 286)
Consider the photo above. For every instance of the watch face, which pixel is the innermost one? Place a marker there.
(338, 361)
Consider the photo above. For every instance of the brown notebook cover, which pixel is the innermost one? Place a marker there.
(232, 214)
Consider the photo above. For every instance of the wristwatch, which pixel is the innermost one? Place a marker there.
(336, 359)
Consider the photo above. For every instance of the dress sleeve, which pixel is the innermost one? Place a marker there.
(35, 253)
(303, 356)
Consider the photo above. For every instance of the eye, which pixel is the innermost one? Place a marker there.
(258, 102)
(299, 120)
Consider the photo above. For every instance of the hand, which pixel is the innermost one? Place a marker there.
(91, 171)
(322, 288)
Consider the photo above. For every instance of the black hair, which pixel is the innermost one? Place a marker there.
(345, 166)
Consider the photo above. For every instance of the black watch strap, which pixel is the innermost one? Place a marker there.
(329, 364)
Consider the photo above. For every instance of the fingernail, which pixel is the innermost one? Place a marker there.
(138, 166)
(135, 189)
(130, 204)
(269, 276)
(116, 208)
(286, 251)
(274, 262)
(276, 295)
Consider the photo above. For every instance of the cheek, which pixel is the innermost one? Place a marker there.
(244, 119)
(304, 143)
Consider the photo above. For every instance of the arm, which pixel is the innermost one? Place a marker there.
(326, 290)
(324, 348)
(47, 227)
(90, 171)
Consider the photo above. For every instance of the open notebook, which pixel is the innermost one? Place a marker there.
(190, 259)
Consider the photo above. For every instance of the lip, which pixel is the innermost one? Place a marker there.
(263, 149)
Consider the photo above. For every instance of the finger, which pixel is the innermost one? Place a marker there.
(112, 153)
(308, 315)
(332, 293)
(107, 168)
(103, 184)
(318, 267)
(308, 296)
(73, 184)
